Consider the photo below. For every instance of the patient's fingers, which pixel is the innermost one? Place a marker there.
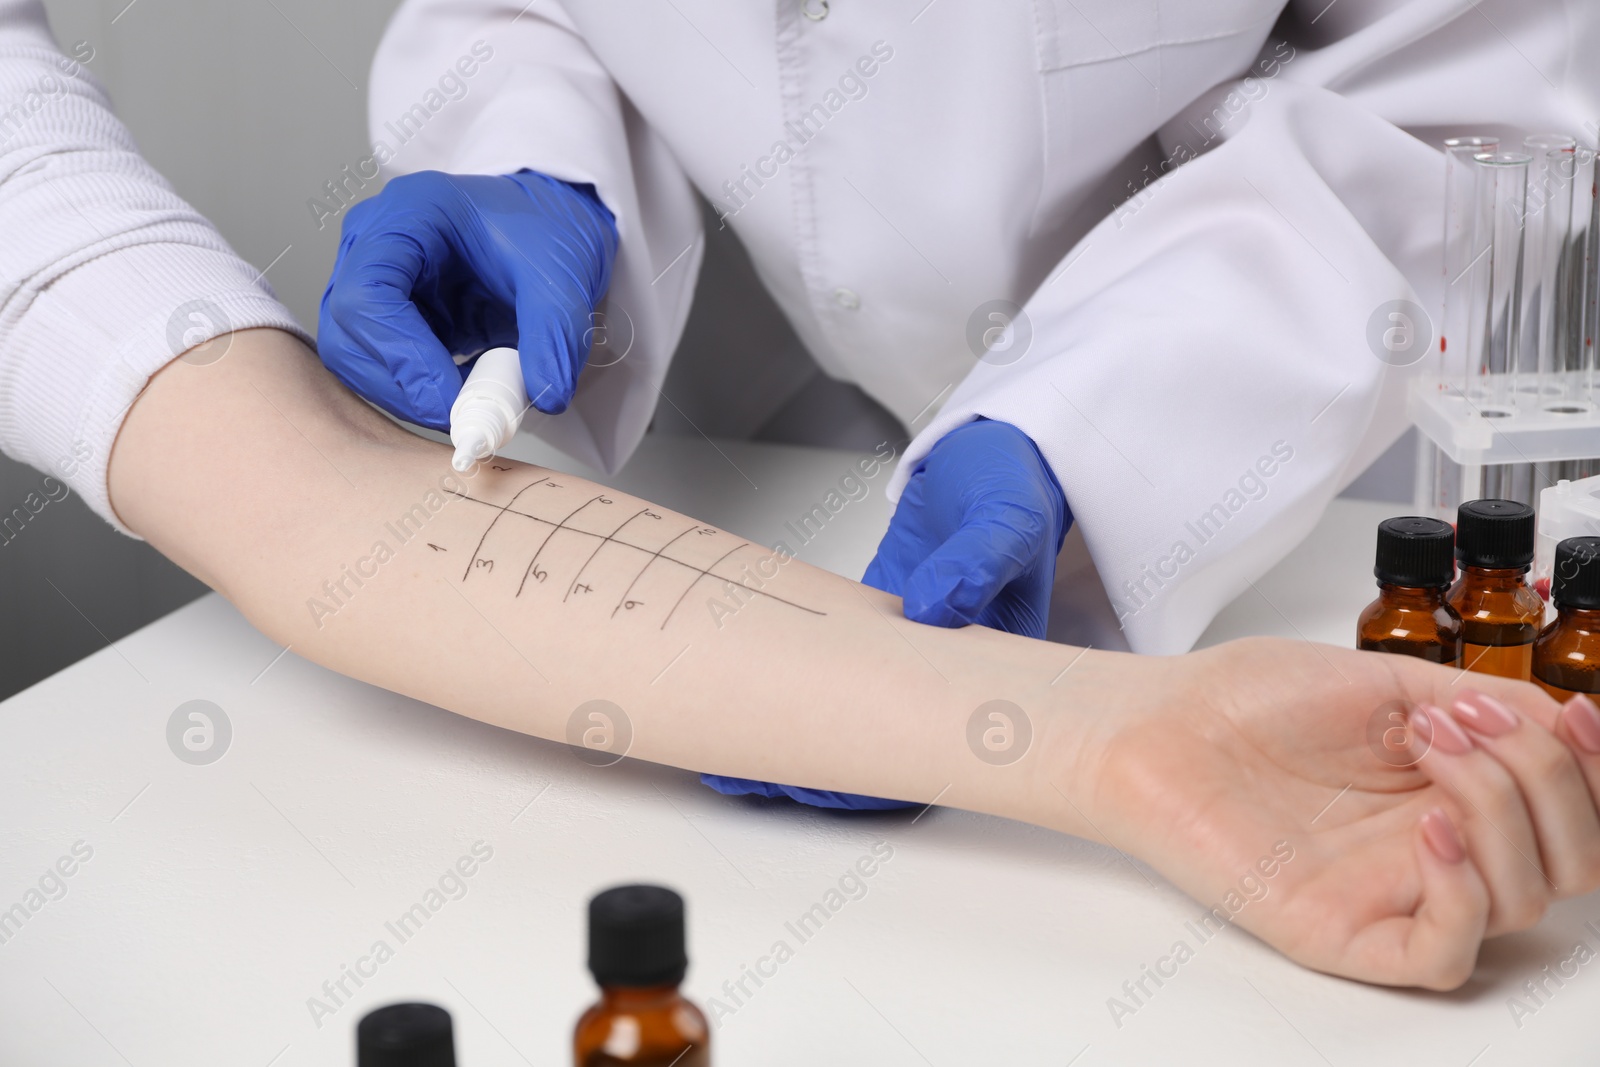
(1557, 794)
(1488, 809)
(1578, 724)
(1434, 945)
(1442, 685)
(1449, 925)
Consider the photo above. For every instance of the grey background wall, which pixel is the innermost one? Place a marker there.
(248, 107)
(247, 119)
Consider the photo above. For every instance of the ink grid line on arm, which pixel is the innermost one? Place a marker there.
(479, 561)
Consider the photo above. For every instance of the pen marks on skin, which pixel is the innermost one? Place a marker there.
(576, 585)
(494, 520)
(533, 564)
(609, 539)
(623, 601)
(702, 574)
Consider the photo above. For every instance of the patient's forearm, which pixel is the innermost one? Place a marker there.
(516, 594)
(519, 595)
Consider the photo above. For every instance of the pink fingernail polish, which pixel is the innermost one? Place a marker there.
(1441, 731)
(1441, 836)
(1484, 713)
(1583, 719)
(1421, 731)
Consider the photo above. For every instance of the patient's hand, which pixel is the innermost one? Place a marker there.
(1411, 832)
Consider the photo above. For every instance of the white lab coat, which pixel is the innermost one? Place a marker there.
(1198, 373)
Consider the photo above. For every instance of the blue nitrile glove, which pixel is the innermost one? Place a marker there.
(974, 539)
(442, 264)
(976, 533)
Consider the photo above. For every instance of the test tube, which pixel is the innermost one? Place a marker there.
(1435, 469)
(1572, 365)
(1493, 355)
(1546, 275)
(1461, 249)
(1583, 352)
(1495, 331)
(1547, 266)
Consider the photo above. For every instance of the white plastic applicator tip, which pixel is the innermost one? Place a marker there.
(472, 445)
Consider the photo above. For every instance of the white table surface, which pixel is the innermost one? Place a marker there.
(219, 898)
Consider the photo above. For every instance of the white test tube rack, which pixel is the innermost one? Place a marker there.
(1510, 401)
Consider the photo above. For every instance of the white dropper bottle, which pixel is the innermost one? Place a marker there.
(489, 409)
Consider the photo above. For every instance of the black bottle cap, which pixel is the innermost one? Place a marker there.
(1495, 534)
(1415, 551)
(1575, 579)
(636, 937)
(406, 1035)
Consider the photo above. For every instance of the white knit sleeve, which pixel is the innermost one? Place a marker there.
(106, 274)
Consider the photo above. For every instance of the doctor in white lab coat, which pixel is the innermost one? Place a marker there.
(1139, 244)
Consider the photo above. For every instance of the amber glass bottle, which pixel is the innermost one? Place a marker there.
(1416, 560)
(1500, 613)
(406, 1035)
(636, 954)
(1566, 658)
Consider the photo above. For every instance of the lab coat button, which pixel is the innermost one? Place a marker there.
(846, 298)
(815, 10)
